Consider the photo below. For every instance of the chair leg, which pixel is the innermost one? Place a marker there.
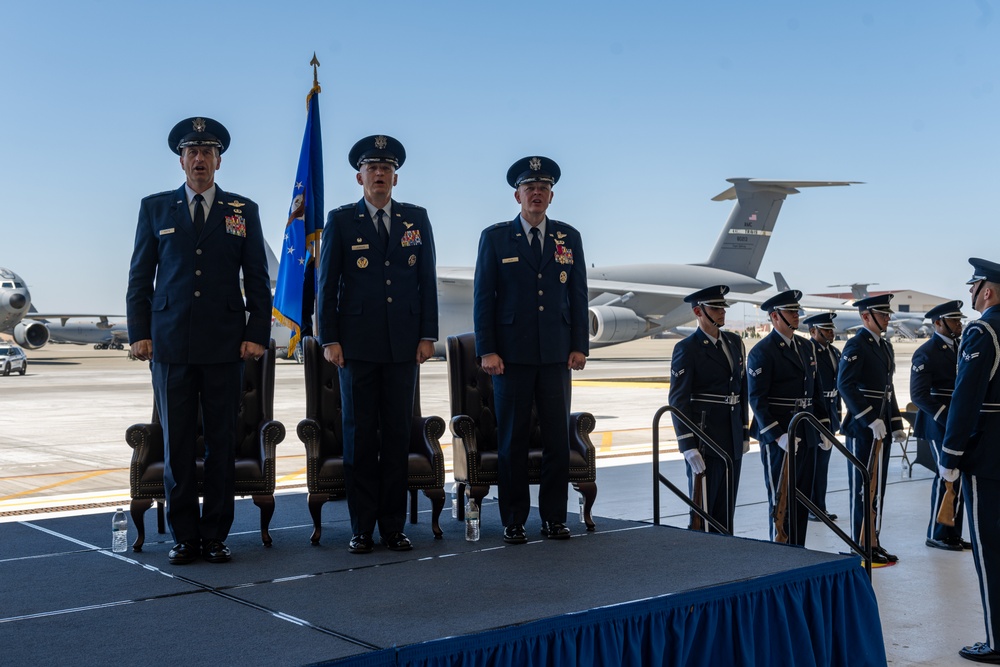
(138, 509)
(316, 501)
(478, 492)
(413, 506)
(589, 492)
(161, 523)
(266, 505)
(436, 496)
(460, 495)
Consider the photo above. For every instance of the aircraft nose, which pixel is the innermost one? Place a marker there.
(18, 301)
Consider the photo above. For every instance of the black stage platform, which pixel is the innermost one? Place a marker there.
(629, 593)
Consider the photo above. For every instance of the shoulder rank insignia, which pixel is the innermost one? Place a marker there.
(754, 372)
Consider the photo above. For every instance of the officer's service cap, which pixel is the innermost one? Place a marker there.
(984, 270)
(198, 131)
(878, 304)
(787, 300)
(532, 169)
(820, 321)
(710, 296)
(946, 311)
(377, 148)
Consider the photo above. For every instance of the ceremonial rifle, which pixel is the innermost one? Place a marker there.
(946, 514)
(781, 507)
(875, 473)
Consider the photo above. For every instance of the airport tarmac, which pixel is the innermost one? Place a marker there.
(62, 450)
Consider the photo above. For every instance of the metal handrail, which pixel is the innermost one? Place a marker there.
(659, 478)
(866, 482)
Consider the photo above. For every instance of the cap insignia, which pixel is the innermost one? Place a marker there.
(199, 124)
(380, 142)
(535, 163)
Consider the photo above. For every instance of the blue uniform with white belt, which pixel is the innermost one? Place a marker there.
(827, 363)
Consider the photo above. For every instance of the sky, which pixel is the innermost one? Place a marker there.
(647, 107)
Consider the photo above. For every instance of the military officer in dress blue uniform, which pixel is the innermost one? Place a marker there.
(530, 311)
(932, 380)
(378, 319)
(783, 381)
(821, 335)
(972, 446)
(187, 315)
(708, 384)
(865, 384)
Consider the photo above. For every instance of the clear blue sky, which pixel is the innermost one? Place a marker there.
(647, 106)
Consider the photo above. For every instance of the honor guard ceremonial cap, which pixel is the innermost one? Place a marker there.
(198, 131)
(820, 321)
(710, 296)
(531, 169)
(946, 311)
(787, 300)
(877, 304)
(377, 148)
(984, 270)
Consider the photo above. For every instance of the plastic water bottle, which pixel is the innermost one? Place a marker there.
(454, 501)
(583, 518)
(119, 532)
(472, 521)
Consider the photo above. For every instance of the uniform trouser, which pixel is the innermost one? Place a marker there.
(178, 390)
(547, 387)
(862, 448)
(982, 500)
(378, 413)
(820, 477)
(935, 530)
(715, 489)
(805, 464)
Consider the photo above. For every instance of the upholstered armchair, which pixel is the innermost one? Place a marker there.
(257, 437)
(474, 437)
(323, 435)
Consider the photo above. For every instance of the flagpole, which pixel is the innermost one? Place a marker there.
(315, 312)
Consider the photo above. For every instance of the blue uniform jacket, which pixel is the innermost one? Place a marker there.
(866, 368)
(705, 389)
(780, 383)
(525, 311)
(378, 303)
(932, 380)
(828, 361)
(972, 433)
(184, 292)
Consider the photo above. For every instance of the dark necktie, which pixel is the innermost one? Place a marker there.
(383, 233)
(199, 215)
(722, 350)
(536, 244)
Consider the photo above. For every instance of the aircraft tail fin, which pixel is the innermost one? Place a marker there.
(744, 239)
(780, 283)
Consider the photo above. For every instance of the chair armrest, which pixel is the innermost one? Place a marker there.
(146, 441)
(463, 428)
(425, 436)
(271, 433)
(309, 431)
(581, 425)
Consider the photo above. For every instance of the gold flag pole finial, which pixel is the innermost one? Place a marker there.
(315, 63)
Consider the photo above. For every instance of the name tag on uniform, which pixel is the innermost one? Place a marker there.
(163, 232)
(510, 260)
(363, 246)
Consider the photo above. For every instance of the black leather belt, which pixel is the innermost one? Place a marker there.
(790, 402)
(723, 399)
(833, 393)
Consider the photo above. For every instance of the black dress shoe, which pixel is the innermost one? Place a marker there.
(980, 652)
(965, 545)
(945, 544)
(555, 531)
(514, 534)
(831, 516)
(216, 551)
(183, 553)
(878, 559)
(361, 544)
(890, 558)
(397, 542)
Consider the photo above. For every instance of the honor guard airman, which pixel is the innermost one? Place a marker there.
(972, 446)
(378, 319)
(189, 317)
(865, 384)
(932, 381)
(530, 312)
(821, 335)
(782, 381)
(708, 384)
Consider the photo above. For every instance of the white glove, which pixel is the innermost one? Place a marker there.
(695, 460)
(948, 474)
(783, 442)
(825, 444)
(899, 436)
(746, 446)
(878, 429)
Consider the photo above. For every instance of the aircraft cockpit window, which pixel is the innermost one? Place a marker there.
(19, 285)
(8, 284)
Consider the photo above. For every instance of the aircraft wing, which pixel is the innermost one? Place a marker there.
(62, 317)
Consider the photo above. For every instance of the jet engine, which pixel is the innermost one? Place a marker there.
(614, 324)
(31, 335)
